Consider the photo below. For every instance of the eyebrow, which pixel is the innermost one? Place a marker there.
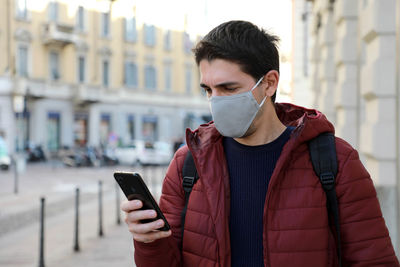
(224, 84)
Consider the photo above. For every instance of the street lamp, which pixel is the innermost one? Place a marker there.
(18, 105)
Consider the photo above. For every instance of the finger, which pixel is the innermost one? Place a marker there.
(143, 228)
(150, 237)
(130, 205)
(138, 215)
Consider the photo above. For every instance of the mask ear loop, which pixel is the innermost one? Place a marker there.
(255, 86)
(259, 81)
(262, 102)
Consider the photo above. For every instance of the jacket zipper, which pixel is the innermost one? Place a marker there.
(270, 188)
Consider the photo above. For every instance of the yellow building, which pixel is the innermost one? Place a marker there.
(76, 72)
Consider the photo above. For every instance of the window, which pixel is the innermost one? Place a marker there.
(106, 66)
(54, 66)
(105, 128)
(168, 77)
(131, 75)
(167, 40)
(131, 127)
(80, 19)
(81, 69)
(22, 129)
(53, 131)
(150, 77)
(149, 35)
(149, 128)
(53, 11)
(23, 61)
(188, 79)
(22, 9)
(80, 129)
(187, 43)
(105, 24)
(130, 29)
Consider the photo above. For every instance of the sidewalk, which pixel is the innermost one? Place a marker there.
(19, 217)
(115, 249)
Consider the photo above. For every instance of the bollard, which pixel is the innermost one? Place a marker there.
(150, 175)
(14, 161)
(118, 204)
(100, 210)
(41, 240)
(146, 173)
(76, 236)
(153, 181)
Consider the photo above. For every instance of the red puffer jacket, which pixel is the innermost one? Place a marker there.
(296, 227)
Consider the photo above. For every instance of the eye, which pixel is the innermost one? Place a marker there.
(207, 90)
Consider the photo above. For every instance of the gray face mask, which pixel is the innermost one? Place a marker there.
(234, 114)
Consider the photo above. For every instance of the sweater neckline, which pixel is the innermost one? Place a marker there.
(279, 141)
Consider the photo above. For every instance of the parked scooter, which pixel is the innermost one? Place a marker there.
(108, 157)
(80, 157)
(35, 153)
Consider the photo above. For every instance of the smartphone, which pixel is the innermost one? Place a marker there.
(134, 187)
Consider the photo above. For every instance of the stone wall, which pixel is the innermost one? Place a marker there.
(355, 79)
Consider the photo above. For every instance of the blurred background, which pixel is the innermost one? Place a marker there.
(90, 87)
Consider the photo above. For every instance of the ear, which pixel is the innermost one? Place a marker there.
(271, 79)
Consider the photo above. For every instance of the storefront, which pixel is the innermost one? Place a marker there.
(80, 129)
(150, 128)
(105, 128)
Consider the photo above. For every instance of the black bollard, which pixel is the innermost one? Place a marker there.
(146, 174)
(153, 181)
(41, 240)
(76, 236)
(150, 175)
(100, 210)
(118, 204)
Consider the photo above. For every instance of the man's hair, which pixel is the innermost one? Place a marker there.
(243, 43)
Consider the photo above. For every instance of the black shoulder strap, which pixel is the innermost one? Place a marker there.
(190, 177)
(323, 157)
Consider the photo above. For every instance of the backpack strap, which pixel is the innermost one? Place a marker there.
(324, 161)
(190, 177)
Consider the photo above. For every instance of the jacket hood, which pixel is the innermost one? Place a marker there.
(308, 124)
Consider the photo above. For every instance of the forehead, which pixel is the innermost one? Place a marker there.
(220, 70)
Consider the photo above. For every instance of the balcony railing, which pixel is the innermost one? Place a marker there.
(58, 34)
(85, 95)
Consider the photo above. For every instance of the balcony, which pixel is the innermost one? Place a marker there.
(58, 34)
(85, 95)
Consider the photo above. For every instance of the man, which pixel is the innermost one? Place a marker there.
(258, 201)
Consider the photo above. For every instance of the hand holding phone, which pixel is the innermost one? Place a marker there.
(134, 187)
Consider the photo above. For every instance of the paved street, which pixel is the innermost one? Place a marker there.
(19, 216)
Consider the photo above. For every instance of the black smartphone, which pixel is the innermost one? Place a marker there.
(134, 187)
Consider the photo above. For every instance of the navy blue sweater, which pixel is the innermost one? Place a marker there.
(250, 169)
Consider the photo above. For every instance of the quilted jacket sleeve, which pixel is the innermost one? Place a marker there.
(166, 252)
(365, 238)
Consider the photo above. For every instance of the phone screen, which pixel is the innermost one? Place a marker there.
(134, 187)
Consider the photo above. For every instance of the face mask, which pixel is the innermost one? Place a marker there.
(234, 114)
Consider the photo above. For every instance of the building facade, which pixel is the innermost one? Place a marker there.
(301, 49)
(355, 80)
(80, 73)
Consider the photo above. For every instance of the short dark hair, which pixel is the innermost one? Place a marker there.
(252, 48)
